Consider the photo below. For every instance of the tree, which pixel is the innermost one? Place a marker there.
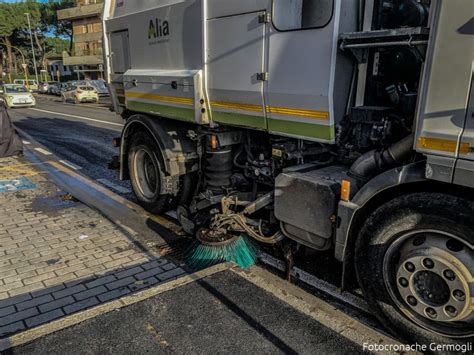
(8, 24)
(49, 19)
(12, 20)
(14, 29)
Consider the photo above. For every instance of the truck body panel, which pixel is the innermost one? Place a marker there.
(237, 48)
(444, 126)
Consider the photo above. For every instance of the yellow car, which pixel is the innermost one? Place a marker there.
(16, 95)
(79, 94)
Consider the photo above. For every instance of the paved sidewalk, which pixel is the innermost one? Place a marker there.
(58, 256)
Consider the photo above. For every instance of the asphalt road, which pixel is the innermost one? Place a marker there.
(80, 134)
(226, 314)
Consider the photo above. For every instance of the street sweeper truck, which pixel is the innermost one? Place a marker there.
(316, 125)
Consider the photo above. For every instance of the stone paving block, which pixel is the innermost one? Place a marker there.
(117, 262)
(89, 293)
(59, 279)
(120, 283)
(48, 290)
(14, 300)
(44, 317)
(15, 317)
(100, 281)
(75, 307)
(108, 296)
(34, 302)
(57, 304)
(42, 277)
(128, 272)
(70, 269)
(171, 274)
(91, 270)
(6, 311)
(149, 273)
(11, 328)
(168, 266)
(69, 291)
(154, 264)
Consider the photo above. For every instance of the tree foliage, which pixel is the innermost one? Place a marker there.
(50, 36)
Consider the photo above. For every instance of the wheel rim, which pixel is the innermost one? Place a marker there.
(146, 173)
(429, 274)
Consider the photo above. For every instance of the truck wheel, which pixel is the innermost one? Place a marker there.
(414, 262)
(145, 165)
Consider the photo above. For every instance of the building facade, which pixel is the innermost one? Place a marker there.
(86, 58)
(57, 70)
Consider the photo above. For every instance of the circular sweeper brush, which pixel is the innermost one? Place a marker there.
(216, 246)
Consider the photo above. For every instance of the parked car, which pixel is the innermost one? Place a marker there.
(80, 93)
(30, 84)
(16, 95)
(99, 85)
(57, 88)
(45, 87)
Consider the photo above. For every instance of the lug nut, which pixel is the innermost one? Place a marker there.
(412, 301)
(449, 275)
(428, 263)
(403, 282)
(409, 267)
(431, 312)
(459, 295)
(451, 311)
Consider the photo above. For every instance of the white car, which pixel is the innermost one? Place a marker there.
(16, 95)
(30, 84)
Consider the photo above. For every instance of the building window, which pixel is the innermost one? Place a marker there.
(301, 14)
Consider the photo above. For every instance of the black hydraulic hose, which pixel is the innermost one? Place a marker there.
(374, 162)
(399, 151)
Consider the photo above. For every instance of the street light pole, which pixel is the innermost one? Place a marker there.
(32, 46)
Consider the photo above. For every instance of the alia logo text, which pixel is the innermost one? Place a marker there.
(158, 28)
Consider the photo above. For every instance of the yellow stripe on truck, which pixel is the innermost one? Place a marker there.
(320, 115)
(443, 145)
(169, 99)
(237, 106)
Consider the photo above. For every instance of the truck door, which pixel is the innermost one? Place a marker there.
(301, 67)
(464, 172)
(235, 56)
(120, 63)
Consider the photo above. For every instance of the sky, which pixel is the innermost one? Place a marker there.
(21, 0)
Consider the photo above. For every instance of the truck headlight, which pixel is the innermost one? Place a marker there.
(9, 98)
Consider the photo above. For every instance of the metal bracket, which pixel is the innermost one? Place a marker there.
(170, 185)
(265, 18)
(262, 76)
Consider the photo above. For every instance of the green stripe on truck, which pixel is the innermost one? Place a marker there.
(162, 110)
(302, 129)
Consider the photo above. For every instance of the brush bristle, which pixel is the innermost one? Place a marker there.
(242, 251)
